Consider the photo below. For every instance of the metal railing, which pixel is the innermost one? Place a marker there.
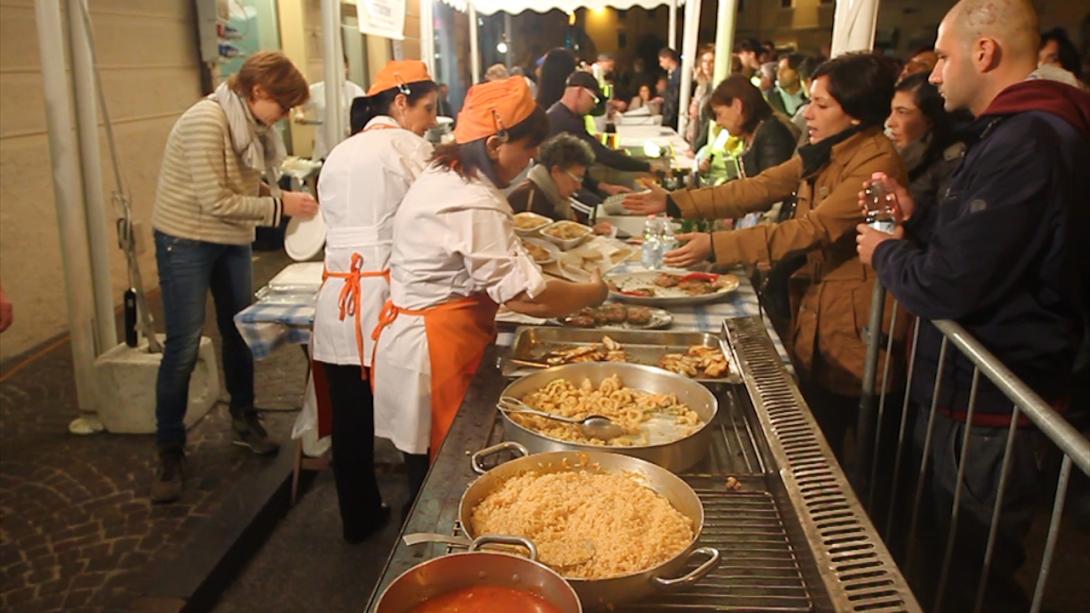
(1029, 411)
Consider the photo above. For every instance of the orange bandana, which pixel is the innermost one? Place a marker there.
(399, 74)
(493, 107)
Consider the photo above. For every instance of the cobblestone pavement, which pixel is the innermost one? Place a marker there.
(77, 531)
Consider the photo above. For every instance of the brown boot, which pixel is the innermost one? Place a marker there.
(170, 475)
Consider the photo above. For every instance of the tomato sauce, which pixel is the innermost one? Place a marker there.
(486, 599)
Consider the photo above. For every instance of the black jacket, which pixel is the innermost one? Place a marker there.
(1003, 253)
(671, 99)
(562, 119)
(773, 144)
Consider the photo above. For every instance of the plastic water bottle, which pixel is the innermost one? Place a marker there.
(667, 240)
(651, 256)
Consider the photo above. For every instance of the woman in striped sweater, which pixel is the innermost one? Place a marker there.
(209, 199)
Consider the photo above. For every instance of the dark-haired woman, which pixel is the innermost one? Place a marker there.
(923, 134)
(456, 258)
(849, 102)
(362, 183)
(558, 64)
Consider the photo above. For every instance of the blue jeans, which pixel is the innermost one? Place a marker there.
(187, 270)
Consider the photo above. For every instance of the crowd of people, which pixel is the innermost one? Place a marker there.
(982, 142)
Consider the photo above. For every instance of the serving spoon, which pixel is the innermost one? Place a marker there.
(592, 426)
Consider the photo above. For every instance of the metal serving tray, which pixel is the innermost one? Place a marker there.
(532, 343)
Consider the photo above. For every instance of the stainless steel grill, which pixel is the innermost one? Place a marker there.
(857, 571)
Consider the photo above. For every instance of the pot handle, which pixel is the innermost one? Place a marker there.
(694, 575)
(501, 539)
(420, 538)
(475, 459)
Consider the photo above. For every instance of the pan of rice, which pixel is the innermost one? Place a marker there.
(670, 417)
(616, 527)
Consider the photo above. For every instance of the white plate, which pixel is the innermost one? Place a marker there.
(614, 205)
(305, 237)
(567, 243)
(664, 296)
(542, 221)
(547, 246)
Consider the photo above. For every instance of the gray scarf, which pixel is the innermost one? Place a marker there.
(259, 146)
(540, 177)
(912, 153)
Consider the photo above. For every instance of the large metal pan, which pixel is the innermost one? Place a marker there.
(598, 593)
(676, 456)
(478, 568)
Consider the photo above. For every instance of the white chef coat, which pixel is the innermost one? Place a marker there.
(360, 188)
(452, 238)
(315, 107)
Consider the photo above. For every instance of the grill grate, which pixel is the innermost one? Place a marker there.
(759, 568)
(856, 568)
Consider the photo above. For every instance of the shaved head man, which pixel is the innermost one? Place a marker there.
(983, 47)
(1002, 252)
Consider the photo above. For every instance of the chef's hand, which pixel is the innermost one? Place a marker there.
(868, 240)
(902, 204)
(7, 311)
(613, 190)
(299, 204)
(697, 248)
(648, 203)
(603, 228)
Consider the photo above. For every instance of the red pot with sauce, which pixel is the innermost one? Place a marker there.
(480, 581)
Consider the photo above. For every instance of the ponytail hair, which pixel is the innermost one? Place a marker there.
(366, 108)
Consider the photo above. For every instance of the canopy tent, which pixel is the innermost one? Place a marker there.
(853, 25)
(514, 7)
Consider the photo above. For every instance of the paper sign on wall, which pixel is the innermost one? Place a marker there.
(384, 18)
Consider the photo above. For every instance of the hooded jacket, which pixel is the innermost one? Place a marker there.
(1003, 252)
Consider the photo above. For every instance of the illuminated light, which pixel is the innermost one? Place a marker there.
(599, 12)
(571, 18)
(501, 47)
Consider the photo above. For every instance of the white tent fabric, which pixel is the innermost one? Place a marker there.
(853, 26)
(514, 7)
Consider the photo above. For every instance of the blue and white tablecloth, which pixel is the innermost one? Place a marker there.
(280, 319)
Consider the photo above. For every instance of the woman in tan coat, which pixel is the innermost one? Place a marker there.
(851, 96)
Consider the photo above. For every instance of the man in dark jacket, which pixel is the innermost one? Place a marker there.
(1000, 255)
(581, 96)
(670, 61)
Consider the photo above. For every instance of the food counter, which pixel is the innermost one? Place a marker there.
(790, 533)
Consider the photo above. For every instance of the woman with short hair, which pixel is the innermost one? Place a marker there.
(551, 183)
(209, 199)
(455, 259)
(850, 100)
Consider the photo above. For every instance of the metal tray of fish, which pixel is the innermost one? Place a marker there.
(534, 344)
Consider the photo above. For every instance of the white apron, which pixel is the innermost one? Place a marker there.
(360, 188)
(452, 239)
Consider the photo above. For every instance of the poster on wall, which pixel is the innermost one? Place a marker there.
(384, 18)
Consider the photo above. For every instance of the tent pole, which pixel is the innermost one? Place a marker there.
(688, 60)
(332, 73)
(724, 38)
(474, 46)
(672, 35)
(68, 199)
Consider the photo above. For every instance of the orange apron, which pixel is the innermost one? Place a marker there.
(458, 332)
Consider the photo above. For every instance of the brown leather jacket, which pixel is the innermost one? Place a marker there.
(827, 340)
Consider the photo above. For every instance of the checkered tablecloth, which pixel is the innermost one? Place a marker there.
(276, 321)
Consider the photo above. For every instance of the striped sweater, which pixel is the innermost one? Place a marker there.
(205, 191)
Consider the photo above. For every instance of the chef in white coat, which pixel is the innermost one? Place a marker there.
(361, 185)
(455, 260)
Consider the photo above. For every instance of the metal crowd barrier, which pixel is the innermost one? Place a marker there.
(1026, 404)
